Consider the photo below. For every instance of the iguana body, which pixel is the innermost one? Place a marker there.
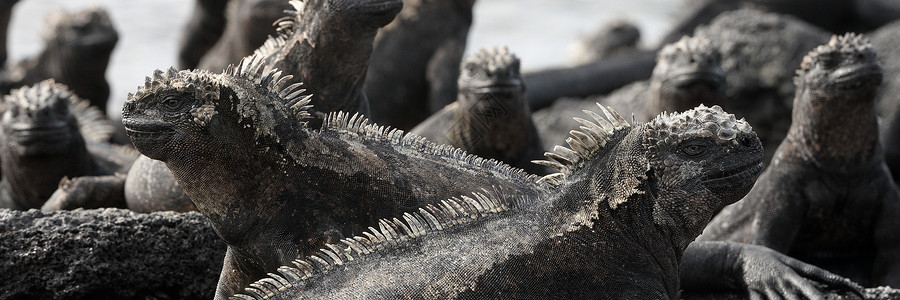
(490, 117)
(248, 23)
(203, 30)
(827, 198)
(415, 61)
(627, 202)
(273, 188)
(77, 47)
(107, 254)
(687, 73)
(615, 38)
(42, 137)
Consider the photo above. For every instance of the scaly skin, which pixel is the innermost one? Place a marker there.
(248, 23)
(490, 117)
(625, 204)
(77, 47)
(42, 143)
(687, 73)
(827, 198)
(615, 38)
(274, 188)
(415, 62)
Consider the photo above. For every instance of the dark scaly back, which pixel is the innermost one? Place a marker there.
(595, 234)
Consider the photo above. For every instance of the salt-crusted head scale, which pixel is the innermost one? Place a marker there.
(496, 61)
(671, 128)
(850, 47)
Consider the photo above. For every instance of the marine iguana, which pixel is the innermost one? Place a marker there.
(490, 117)
(827, 198)
(77, 47)
(41, 136)
(280, 173)
(203, 29)
(623, 206)
(107, 254)
(248, 23)
(615, 38)
(687, 73)
(415, 61)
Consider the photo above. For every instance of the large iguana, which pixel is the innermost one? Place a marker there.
(490, 117)
(77, 47)
(623, 206)
(415, 61)
(107, 254)
(827, 198)
(46, 134)
(203, 30)
(687, 73)
(248, 23)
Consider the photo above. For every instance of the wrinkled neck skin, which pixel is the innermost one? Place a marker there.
(654, 225)
(835, 130)
(329, 52)
(31, 180)
(484, 116)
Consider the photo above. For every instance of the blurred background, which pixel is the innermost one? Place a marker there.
(542, 32)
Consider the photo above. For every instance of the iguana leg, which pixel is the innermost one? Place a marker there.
(887, 240)
(88, 192)
(751, 269)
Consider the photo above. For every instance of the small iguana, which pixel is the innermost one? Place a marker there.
(415, 61)
(203, 29)
(248, 23)
(107, 254)
(623, 206)
(828, 198)
(611, 39)
(687, 73)
(274, 188)
(77, 47)
(490, 117)
(47, 133)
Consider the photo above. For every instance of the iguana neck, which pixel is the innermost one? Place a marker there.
(335, 57)
(830, 128)
(31, 180)
(481, 114)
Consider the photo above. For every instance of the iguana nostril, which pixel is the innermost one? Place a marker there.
(745, 140)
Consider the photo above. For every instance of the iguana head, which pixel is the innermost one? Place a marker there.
(688, 73)
(362, 13)
(37, 121)
(180, 114)
(80, 36)
(492, 71)
(846, 64)
(679, 168)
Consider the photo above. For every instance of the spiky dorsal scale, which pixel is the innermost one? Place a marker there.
(584, 144)
(453, 212)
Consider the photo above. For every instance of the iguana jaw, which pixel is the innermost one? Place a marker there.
(376, 12)
(148, 135)
(856, 76)
(46, 138)
(494, 85)
(713, 78)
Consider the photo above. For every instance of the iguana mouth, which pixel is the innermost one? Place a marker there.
(28, 134)
(710, 78)
(508, 85)
(147, 129)
(738, 174)
(856, 76)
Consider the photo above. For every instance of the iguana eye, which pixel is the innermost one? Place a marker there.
(172, 102)
(694, 149)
